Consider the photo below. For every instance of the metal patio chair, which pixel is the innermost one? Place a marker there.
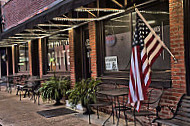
(148, 107)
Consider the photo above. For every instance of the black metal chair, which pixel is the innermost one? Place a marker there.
(20, 82)
(8, 81)
(37, 95)
(1, 82)
(180, 114)
(30, 86)
(148, 107)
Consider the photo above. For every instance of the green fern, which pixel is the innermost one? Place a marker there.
(55, 88)
(84, 92)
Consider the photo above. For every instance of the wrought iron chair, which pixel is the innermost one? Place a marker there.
(9, 83)
(20, 82)
(30, 86)
(3, 81)
(148, 107)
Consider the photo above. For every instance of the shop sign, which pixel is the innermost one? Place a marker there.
(157, 30)
(111, 63)
(110, 40)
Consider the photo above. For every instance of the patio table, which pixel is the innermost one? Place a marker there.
(115, 100)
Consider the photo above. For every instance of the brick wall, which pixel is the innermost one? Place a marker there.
(92, 39)
(17, 11)
(171, 96)
(72, 57)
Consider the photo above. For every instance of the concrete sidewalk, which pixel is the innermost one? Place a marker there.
(14, 112)
(24, 113)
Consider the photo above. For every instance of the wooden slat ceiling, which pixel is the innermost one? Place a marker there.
(56, 28)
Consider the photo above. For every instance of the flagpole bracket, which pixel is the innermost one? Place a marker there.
(175, 60)
(134, 6)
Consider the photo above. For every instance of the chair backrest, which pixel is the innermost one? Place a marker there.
(106, 86)
(153, 97)
(182, 111)
(30, 83)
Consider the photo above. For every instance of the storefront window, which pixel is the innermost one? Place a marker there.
(119, 34)
(23, 62)
(158, 17)
(118, 43)
(58, 56)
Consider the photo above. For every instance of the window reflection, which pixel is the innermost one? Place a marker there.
(57, 54)
(23, 62)
(119, 36)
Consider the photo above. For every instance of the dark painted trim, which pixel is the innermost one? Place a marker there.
(186, 5)
(35, 57)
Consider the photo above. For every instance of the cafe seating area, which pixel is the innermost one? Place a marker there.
(24, 84)
(109, 96)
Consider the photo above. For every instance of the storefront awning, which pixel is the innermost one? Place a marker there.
(59, 9)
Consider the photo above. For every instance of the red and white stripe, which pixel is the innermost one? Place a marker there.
(140, 71)
(136, 83)
(152, 49)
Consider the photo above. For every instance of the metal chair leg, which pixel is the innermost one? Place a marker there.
(89, 115)
(38, 99)
(97, 113)
(113, 111)
(134, 117)
(17, 90)
(126, 119)
(35, 97)
(10, 89)
(20, 95)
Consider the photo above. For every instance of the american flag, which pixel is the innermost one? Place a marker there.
(145, 49)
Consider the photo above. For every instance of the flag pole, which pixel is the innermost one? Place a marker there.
(153, 32)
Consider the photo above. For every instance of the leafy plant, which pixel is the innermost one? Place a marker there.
(54, 89)
(84, 92)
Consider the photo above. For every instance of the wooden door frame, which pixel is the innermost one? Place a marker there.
(186, 5)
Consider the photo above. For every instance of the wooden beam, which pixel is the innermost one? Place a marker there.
(91, 14)
(31, 34)
(73, 19)
(117, 3)
(125, 3)
(98, 6)
(83, 9)
(55, 25)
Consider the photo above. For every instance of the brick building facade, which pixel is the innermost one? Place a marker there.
(173, 94)
(178, 78)
(24, 10)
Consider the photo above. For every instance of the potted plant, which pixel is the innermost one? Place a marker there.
(55, 89)
(84, 92)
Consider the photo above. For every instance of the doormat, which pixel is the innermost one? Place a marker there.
(56, 112)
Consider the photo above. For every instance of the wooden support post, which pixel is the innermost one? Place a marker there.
(30, 56)
(13, 58)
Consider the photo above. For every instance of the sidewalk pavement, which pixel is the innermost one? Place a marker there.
(14, 112)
